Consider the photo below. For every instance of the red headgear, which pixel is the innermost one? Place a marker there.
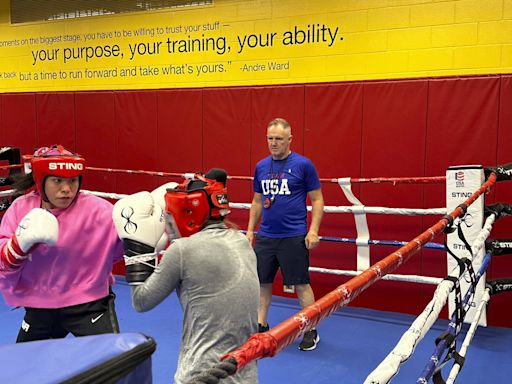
(55, 161)
(193, 202)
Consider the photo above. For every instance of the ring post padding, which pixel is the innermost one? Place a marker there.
(363, 235)
(461, 182)
(27, 166)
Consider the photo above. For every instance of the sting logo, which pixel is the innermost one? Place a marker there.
(65, 166)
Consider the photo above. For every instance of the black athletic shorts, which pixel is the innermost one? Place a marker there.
(288, 253)
(87, 319)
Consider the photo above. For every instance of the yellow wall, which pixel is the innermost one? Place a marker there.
(258, 42)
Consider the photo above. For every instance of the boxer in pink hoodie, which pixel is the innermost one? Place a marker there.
(57, 249)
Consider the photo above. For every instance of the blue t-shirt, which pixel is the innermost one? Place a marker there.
(285, 183)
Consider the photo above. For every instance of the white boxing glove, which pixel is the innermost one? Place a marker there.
(159, 198)
(36, 227)
(139, 222)
(159, 193)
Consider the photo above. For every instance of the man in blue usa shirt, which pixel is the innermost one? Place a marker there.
(282, 183)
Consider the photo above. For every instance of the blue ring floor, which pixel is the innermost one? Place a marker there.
(353, 342)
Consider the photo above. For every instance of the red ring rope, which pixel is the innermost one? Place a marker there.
(393, 180)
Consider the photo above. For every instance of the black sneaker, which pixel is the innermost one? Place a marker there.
(309, 341)
(263, 328)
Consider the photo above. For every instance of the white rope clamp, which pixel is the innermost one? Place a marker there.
(363, 234)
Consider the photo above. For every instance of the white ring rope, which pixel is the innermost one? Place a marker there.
(7, 192)
(338, 272)
(338, 209)
(384, 210)
(106, 195)
(395, 277)
(390, 366)
(389, 276)
(327, 209)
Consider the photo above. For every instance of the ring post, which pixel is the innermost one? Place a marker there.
(461, 182)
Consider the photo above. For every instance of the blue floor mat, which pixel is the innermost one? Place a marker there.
(353, 342)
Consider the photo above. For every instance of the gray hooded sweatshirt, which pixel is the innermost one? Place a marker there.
(215, 277)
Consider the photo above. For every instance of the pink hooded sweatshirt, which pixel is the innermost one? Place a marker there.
(77, 269)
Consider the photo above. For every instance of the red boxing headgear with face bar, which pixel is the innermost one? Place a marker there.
(193, 202)
(55, 161)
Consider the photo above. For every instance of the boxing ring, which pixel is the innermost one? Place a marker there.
(284, 333)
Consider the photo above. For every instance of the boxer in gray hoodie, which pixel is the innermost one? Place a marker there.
(209, 263)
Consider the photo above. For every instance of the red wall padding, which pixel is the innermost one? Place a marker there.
(501, 267)
(333, 115)
(394, 120)
(95, 136)
(135, 127)
(395, 128)
(18, 125)
(462, 121)
(55, 114)
(179, 130)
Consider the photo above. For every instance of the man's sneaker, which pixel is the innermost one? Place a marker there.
(309, 341)
(263, 328)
